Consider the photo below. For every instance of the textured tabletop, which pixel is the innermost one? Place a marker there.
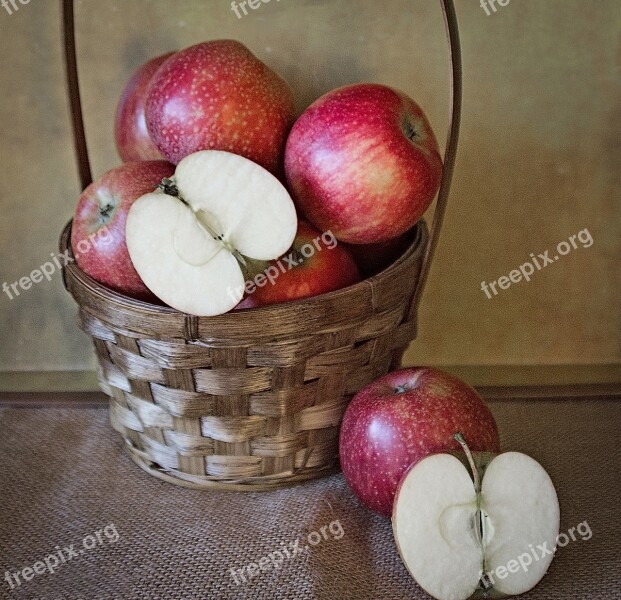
(90, 524)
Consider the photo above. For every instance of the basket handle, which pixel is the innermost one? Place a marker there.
(450, 150)
(452, 31)
(73, 91)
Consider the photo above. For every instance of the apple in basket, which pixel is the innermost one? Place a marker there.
(315, 264)
(488, 526)
(194, 240)
(399, 419)
(131, 135)
(218, 95)
(98, 229)
(363, 161)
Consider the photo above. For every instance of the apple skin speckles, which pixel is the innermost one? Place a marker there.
(363, 161)
(402, 417)
(217, 95)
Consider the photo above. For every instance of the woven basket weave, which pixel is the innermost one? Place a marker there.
(252, 399)
(249, 397)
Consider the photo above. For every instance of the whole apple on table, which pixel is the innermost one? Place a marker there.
(420, 445)
(402, 417)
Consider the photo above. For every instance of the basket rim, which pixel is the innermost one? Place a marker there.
(416, 247)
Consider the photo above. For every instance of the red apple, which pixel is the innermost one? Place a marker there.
(98, 230)
(373, 258)
(218, 95)
(316, 264)
(133, 141)
(400, 418)
(364, 162)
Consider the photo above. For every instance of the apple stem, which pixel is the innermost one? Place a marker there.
(410, 131)
(480, 525)
(169, 188)
(105, 213)
(475, 472)
(240, 257)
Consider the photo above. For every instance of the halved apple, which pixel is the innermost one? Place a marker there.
(193, 240)
(489, 535)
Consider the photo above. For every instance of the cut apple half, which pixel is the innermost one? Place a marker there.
(486, 535)
(193, 240)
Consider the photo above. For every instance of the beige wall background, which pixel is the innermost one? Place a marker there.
(539, 160)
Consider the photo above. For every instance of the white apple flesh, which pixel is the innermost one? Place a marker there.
(461, 536)
(190, 240)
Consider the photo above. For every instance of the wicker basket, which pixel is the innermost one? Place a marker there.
(253, 399)
(250, 397)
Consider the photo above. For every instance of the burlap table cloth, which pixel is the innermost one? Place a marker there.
(64, 477)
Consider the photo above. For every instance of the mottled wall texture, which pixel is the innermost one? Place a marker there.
(539, 157)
